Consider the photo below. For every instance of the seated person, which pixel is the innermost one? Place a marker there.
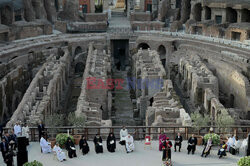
(192, 142)
(236, 146)
(230, 142)
(84, 145)
(178, 141)
(130, 146)
(46, 147)
(222, 150)
(70, 147)
(111, 142)
(98, 144)
(59, 153)
(207, 148)
(123, 134)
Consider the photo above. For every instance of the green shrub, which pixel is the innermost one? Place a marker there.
(73, 120)
(244, 161)
(62, 139)
(199, 120)
(33, 163)
(215, 138)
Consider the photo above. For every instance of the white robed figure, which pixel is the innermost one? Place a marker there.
(59, 153)
(130, 146)
(17, 130)
(230, 142)
(46, 148)
(123, 135)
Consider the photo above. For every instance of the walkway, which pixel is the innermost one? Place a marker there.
(139, 157)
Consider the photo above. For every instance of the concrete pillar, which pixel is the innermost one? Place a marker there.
(142, 5)
(92, 6)
(224, 16)
(203, 14)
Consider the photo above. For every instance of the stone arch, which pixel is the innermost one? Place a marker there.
(144, 46)
(162, 52)
(197, 12)
(6, 15)
(231, 15)
(245, 17)
(79, 67)
(78, 50)
(207, 12)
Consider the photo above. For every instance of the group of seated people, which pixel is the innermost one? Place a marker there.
(126, 139)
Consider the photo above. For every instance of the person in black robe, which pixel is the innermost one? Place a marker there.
(98, 144)
(4, 147)
(192, 142)
(111, 142)
(166, 149)
(178, 141)
(84, 145)
(222, 150)
(9, 158)
(41, 130)
(70, 147)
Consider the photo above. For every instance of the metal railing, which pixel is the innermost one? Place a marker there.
(139, 132)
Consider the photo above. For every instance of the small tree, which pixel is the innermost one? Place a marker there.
(52, 121)
(224, 120)
(73, 120)
(199, 120)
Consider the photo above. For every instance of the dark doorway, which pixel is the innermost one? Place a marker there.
(56, 5)
(207, 13)
(231, 15)
(120, 53)
(85, 8)
(218, 19)
(144, 46)
(231, 104)
(197, 12)
(236, 35)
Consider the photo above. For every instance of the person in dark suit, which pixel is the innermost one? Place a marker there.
(4, 146)
(192, 142)
(7, 137)
(41, 130)
(12, 140)
(178, 141)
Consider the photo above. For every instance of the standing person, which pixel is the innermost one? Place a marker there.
(12, 140)
(41, 129)
(25, 133)
(70, 147)
(46, 147)
(167, 145)
(178, 141)
(59, 153)
(123, 135)
(84, 145)
(162, 139)
(111, 142)
(222, 150)
(4, 147)
(130, 146)
(98, 144)
(18, 129)
(1, 130)
(7, 137)
(9, 158)
(192, 142)
(207, 148)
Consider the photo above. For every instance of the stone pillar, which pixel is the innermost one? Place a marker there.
(50, 9)
(142, 5)
(239, 16)
(224, 16)
(203, 14)
(92, 6)
(29, 13)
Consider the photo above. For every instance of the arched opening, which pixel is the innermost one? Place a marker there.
(162, 52)
(231, 15)
(231, 101)
(197, 12)
(78, 50)
(151, 101)
(79, 68)
(6, 15)
(199, 96)
(144, 46)
(207, 13)
(245, 17)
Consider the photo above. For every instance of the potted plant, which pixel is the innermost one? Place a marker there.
(199, 121)
(33, 163)
(52, 122)
(244, 161)
(75, 121)
(62, 139)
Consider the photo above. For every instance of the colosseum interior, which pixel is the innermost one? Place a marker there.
(56, 54)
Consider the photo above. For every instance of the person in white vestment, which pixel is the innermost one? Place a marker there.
(46, 147)
(17, 130)
(59, 153)
(230, 142)
(130, 146)
(123, 135)
(25, 132)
